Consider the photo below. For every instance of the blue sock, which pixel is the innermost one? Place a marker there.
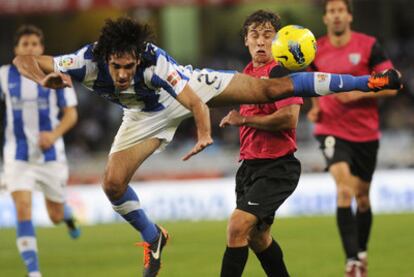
(27, 245)
(310, 84)
(67, 212)
(130, 209)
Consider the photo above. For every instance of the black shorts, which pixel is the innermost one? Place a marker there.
(263, 185)
(361, 156)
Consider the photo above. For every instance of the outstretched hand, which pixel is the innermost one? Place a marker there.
(56, 81)
(233, 118)
(201, 144)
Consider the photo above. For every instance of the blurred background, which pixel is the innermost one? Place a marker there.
(206, 33)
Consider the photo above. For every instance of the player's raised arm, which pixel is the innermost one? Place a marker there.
(201, 114)
(41, 70)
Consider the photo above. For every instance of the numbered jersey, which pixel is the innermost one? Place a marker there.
(156, 84)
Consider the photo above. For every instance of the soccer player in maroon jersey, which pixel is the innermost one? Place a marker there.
(270, 172)
(347, 127)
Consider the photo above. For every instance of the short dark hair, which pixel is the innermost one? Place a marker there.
(348, 4)
(260, 17)
(121, 36)
(28, 29)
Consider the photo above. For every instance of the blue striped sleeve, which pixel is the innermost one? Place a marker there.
(168, 74)
(75, 64)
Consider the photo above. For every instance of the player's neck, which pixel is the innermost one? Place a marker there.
(340, 40)
(257, 64)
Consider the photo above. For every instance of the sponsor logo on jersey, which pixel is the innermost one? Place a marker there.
(173, 78)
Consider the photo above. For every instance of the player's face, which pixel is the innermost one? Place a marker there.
(29, 45)
(337, 18)
(259, 42)
(122, 69)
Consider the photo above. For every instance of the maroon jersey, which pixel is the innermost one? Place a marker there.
(260, 144)
(356, 121)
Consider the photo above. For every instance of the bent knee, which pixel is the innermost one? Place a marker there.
(56, 217)
(239, 228)
(363, 202)
(259, 243)
(113, 186)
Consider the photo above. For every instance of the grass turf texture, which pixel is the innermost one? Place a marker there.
(311, 247)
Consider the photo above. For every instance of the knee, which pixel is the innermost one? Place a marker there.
(344, 193)
(113, 185)
(259, 243)
(237, 230)
(363, 202)
(56, 217)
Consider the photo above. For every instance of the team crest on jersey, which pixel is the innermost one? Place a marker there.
(173, 78)
(66, 62)
(355, 58)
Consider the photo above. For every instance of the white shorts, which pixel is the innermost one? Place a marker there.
(50, 178)
(139, 126)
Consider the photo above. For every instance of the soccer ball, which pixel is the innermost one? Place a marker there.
(294, 47)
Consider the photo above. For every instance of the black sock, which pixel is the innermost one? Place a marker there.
(234, 260)
(364, 223)
(348, 230)
(272, 261)
(70, 223)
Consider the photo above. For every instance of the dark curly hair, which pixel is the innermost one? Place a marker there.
(260, 17)
(121, 36)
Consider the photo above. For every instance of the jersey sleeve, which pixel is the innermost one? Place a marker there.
(167, 73)
(378, 60)
(77, 64)
(66, 98)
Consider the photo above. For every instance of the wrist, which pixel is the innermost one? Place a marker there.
(244, 119)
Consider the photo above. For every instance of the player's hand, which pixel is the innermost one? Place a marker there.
(56, 80)
(314, 114)
(46, 140)
(201, 144)
(233, 118)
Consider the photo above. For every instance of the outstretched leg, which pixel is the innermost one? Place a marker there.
(244, 89)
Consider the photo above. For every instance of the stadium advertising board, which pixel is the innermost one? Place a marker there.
(392, 192)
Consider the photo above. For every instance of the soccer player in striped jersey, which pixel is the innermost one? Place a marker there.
(34, 152)
(157, 94)
(347, 127)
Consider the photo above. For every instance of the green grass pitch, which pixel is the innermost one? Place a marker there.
(311, 248)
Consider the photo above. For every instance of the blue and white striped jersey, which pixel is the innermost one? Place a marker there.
(31, 109)
(158, 80)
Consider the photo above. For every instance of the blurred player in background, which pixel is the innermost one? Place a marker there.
(270, 172)
(347, 127)
(157, 94)
(34, 152)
